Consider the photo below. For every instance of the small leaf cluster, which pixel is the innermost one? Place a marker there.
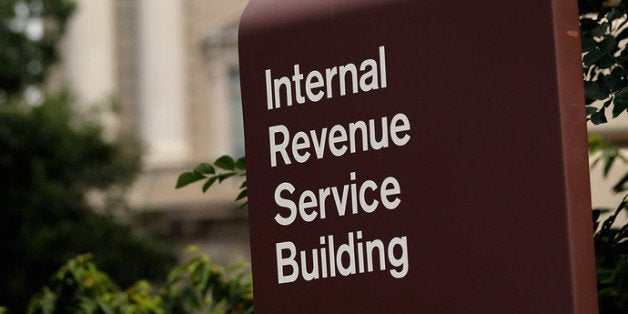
(199, 285)
(611, 248)
(607, 154)
(196, 286)
(223, 168)
(604, 28)
(25, 59)
(611, 242)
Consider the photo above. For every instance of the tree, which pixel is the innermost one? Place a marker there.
(604, 29)
(51, 157)
(29, 33)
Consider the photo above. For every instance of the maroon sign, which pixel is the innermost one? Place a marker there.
(416, 156)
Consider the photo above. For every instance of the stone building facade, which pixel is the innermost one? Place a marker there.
(171, 66)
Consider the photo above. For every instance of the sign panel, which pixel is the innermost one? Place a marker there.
(416, 156)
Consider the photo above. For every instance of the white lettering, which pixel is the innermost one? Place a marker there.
(309, 204)
(285, 203)
(339, 140)
(355, 256)
(371, 76)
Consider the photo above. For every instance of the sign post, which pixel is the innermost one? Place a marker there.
(416, 156)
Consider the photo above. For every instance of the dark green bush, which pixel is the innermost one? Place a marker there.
(196, 286)
(50, 158)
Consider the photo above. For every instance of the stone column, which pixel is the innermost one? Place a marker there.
(89, 61)
(161, 78)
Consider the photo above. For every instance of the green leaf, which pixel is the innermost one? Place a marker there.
(592, 57)
(623, 56)
(595, 142)
(621, 185)
(623, 93)
(107, 308)
(209, 183)
(188, 178)
(240, 164)
(613, 13)
(588, 43)
(242, 195)
(599, 30)
(205, 168)
(595, 162)
(587, 24)
(620, 105)
(599, 117)
(225, 162)
(590, 110)
(223, 176)
(606, 62)
(596, 214)
(48, 301)
(243, 205)
(243, 185)
(622, 35)
(594, 90)
(609, 159)
(609, 43)
(607, 103)
(613, 81)
(200, 277)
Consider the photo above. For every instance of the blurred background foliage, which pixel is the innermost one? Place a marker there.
(197, 286)
(30, 31)
(53, 162)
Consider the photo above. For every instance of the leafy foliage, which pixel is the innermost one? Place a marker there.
(206, 171)
(611, 245)
(607, 154)
(29, 33)
(196, 286)
(50, 159)
(610, 242)
(199, 285)
(604, 28)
